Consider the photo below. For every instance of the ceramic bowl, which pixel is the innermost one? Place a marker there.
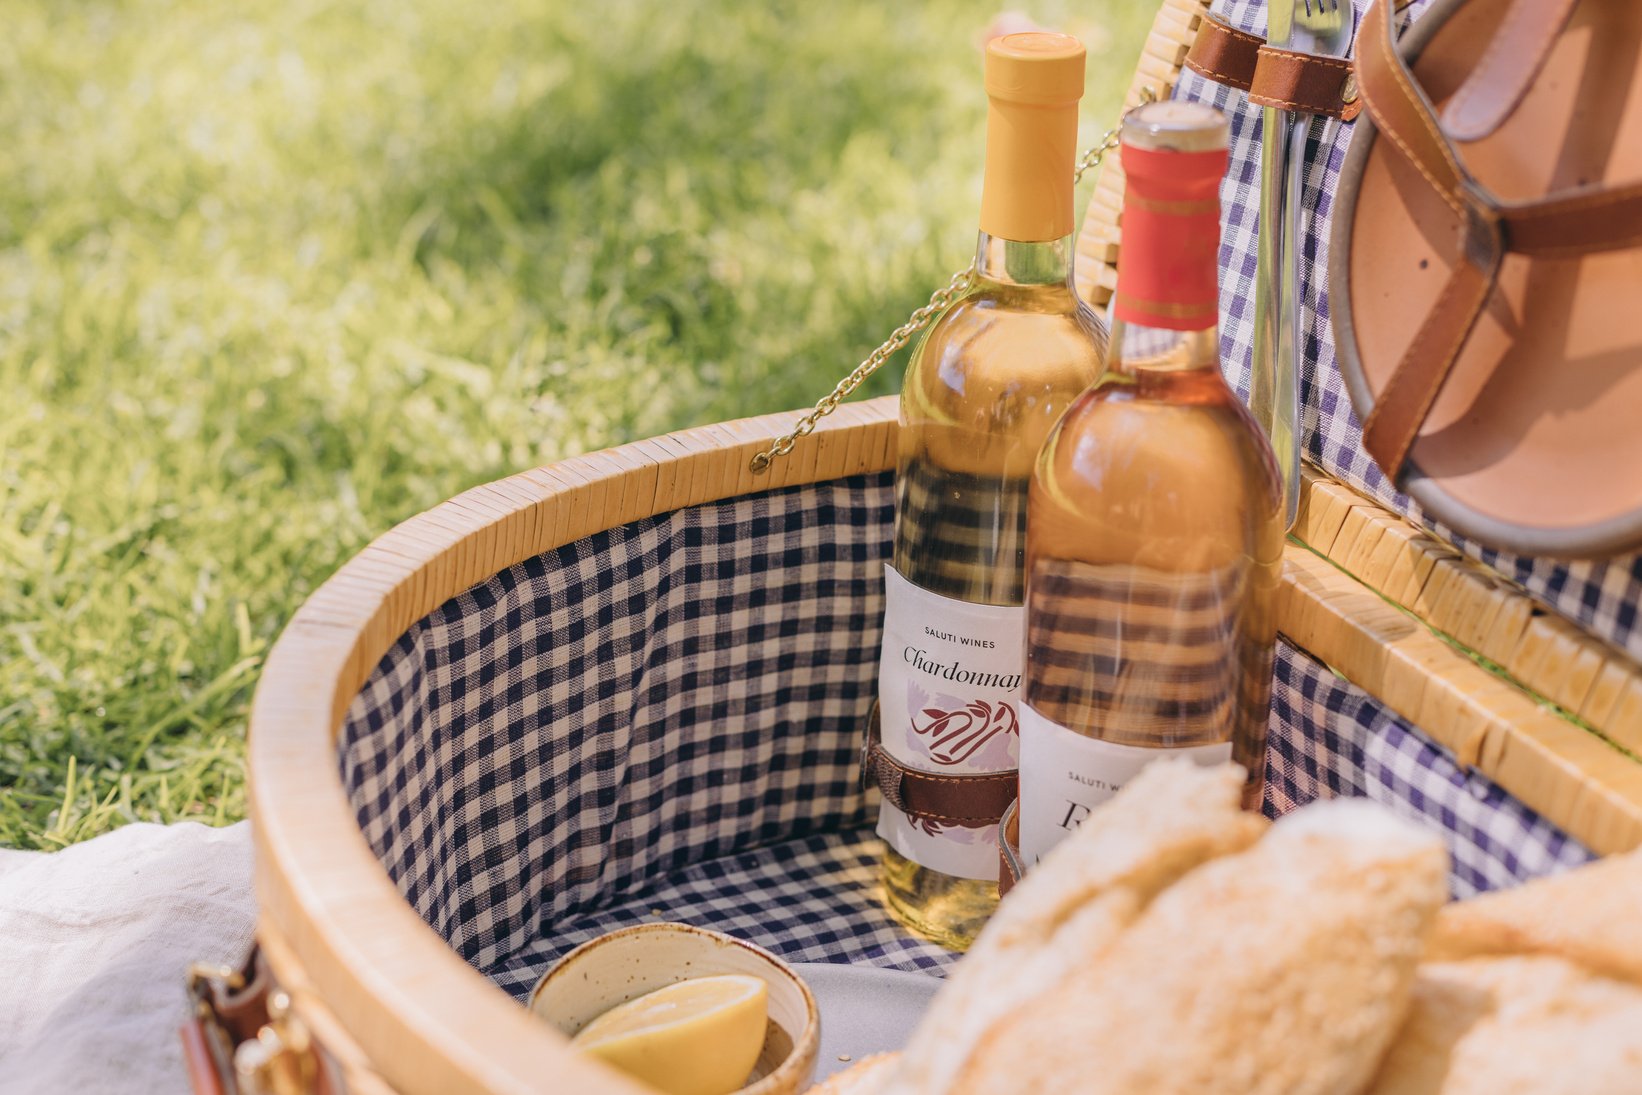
(628, 963)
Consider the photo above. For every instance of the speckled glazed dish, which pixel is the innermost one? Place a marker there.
(626, 964)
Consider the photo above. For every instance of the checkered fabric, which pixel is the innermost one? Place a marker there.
(1600, 596)
(950, 521)
(814, 899)
(1330, 739)
(590, 722)
(663, 720)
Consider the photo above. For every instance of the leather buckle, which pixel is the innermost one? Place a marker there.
(243, 1038)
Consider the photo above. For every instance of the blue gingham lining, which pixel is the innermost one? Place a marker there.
(814, 899)
(597, 718)
(1600, 596)
(1330, 739)
(667, 716)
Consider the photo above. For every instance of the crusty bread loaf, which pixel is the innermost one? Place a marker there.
(1587, 915)
(1286, 969)
(1172, 818)
(1169, 948)
(1532, 1025)
(865, 1077)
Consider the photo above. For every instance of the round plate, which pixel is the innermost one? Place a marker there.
(864, 1010)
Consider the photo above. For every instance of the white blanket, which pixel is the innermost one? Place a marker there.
(94, 944)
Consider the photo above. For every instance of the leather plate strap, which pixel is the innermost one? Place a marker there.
(1581, 221)
(971, 800)
(1515, 56)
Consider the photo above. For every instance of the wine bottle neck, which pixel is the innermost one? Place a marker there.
(1167, 300)
(1011, 262)
(1138, 350)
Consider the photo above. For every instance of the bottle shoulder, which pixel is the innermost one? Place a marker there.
(1193, 402)
(988, 345)
(1127, 472)
(993, 375)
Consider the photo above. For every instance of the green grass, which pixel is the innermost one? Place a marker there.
(277, 275)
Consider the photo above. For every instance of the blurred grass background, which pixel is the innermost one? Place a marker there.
(278, 274)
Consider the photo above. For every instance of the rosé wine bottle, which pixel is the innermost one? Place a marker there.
(1155, 523)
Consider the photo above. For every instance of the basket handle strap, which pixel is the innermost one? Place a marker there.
(1573, 222)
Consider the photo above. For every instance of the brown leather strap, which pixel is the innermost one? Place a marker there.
(1400, 109)
(206, 1067)
(1273, 77)
(970, 800)
(1514, 57)
(1306, 83)
(1574, 222)
(242, 1008)
(1400, 409)
(1224, 54)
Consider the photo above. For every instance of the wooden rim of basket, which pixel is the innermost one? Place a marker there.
(430, 1022)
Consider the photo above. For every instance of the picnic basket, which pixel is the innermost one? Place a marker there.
(631, 685)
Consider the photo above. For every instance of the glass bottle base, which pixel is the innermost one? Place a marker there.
(947, 910)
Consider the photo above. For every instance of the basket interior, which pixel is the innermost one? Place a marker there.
(663, 721)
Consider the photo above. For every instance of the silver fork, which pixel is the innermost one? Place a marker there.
(1320, 27)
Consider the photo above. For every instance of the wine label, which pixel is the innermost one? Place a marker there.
(1065, 775)
(949, 688)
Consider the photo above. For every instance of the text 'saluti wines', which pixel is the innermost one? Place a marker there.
(1155, 531)
(985, 386)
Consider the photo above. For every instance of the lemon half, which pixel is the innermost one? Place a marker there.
(697, 1037)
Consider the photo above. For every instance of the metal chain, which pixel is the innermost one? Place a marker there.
(916, 322)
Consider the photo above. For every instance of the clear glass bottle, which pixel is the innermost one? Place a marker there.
(1155, 531)
(985, 386)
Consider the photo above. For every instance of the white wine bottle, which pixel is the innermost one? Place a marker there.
(1154, 529)
(985, 385)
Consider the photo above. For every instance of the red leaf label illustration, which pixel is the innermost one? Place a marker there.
(955, 736)
(930, 828)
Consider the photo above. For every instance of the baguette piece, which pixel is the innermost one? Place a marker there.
(1586, 915)
(1285, 969)
(1533, 1025)
(1069, 909)
(865, 1077)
